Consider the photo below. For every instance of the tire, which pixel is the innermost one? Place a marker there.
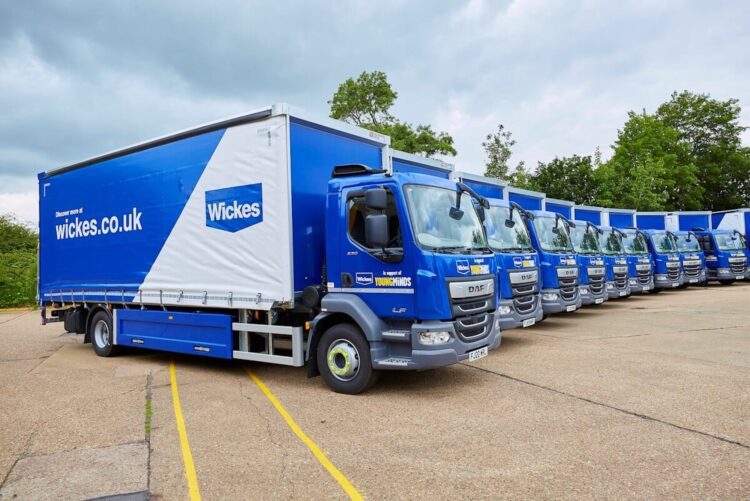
(726, 282)
(102, 334)
(656, 290)
(349, 353)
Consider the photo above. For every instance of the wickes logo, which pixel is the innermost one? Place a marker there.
(236, 208)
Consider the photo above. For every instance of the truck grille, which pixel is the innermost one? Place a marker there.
(568, 288)
(596, 284)
(524, 304)
(644, 277)
(673, 273)
(738, 268)
(692, 270)
(473, 317)
(621, 280)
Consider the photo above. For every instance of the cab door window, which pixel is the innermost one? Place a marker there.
(357, 212)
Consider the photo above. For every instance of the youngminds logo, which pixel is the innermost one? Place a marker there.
(236, 208)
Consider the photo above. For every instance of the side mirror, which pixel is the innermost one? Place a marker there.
(376, 230)
(376, 198)
(456, 213)
(509, 223)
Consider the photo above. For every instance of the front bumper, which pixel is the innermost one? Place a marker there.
(636, 286)
(589, 297)
(514, 319)
(552, 305)
(716, 274)
(700, 279)
(416, 356)
(613, 292)
(664, 282)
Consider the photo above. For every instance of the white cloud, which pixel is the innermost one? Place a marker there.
(22, 205)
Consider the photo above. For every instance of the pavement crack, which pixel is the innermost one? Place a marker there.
(14, 318)
(23, 455)
(608, 406)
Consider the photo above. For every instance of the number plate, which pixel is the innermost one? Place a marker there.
(623, 293)
(693, 280)
(529, 322)
(572, 307)
(599, 300)
(477, 354)
(740, 277)
(675, 285)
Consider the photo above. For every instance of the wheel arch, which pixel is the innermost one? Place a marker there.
(90, 317)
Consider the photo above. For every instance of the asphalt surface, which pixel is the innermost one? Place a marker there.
(646, 397)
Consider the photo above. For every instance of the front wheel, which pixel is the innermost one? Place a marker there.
(102, 334)
(344, 360)
(656, 290)
(726, 282)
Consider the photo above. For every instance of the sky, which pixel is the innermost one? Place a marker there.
(79, 78)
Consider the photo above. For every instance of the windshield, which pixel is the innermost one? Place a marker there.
(663, 242)
(552, 234)
(685, 245)
(434, 227)
(610, 242)
(500, 237)
(584, 240)
(728, 241)
(634, 243)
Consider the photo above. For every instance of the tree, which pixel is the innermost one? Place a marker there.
(17, 263)
(649, 170)
(711, 132)
(499, 147)
(367, 101)
(566, 178)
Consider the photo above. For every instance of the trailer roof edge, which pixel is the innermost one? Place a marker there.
(481, 179)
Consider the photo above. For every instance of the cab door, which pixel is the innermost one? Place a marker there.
(382, 278)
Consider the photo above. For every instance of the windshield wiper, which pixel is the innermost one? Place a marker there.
(449, 249)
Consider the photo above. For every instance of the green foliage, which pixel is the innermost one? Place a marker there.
(498, 147)
(18, 266)
(711, 133)
(650, 168)
(566, 178)
(366, 102)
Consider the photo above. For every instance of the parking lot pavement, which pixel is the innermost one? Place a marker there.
(646, 397)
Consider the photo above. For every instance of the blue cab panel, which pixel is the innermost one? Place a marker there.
(690, 221)
(590, 215)
(206, 334)
(565, 210)
(403, 165)
(492, 191)
(528, 202)
(621, 219)
(650, 221)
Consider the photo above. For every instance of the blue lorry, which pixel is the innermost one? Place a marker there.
(738, 219)
(516, 261)
(726, 258)
(692, 256)
(272, 236)
(610, 242)
(665, 259)
(640, 268)
(550, 237)
(591, 261)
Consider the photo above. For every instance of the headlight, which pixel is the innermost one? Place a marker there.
(661, 277)
(583, 290)
(633, 281)
(434, 337)
(549, 296)
(504, 310)
(610, 285)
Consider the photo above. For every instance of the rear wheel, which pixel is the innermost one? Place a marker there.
(344, 360)
(102, 334)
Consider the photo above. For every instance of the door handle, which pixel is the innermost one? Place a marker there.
(346, 280)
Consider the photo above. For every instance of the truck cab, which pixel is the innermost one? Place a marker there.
(640, 268)
(516, 261)
(692, 256)
(592, 269)
(410, 249)
(618, 276)
(726, 260)
(737, 219)
(665, 258)
(550, 236)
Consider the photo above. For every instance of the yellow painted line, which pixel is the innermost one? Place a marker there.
(187, 457)
(319, 454)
